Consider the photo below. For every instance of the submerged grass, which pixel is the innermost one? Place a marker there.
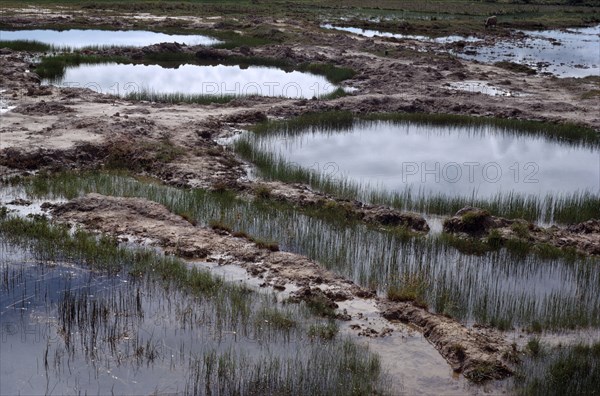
(56, 243)
(97, 323)
(567, 370)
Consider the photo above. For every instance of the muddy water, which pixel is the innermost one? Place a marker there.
(220, 80)
(377, 33)
(454, 161)
(564, 53)
(74, 39)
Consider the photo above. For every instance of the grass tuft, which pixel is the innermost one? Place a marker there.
(326, 331)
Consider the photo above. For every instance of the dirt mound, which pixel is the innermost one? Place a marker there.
(46, 159)
(392, 217)
(477, 223)
(147, 219)
(304, 196)
(247, 117)
(207, 53)
(163, 47)
(479, 355)
(474, 222)
(43, 108)
(587, 227)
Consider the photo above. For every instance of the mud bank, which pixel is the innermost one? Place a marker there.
(480, 354)
(476, 223)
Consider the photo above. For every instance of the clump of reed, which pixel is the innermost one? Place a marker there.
(562, 370)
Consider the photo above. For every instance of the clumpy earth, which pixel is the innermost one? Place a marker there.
(584, 237)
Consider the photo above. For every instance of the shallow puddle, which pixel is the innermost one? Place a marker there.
(75, 39)
(467, 161)
(5, 105)
(564, 53)
(376, 33)
(482, 87)
(193, 80)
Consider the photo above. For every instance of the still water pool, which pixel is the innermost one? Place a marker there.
(76, 38)
(189, 79)
(479, 161)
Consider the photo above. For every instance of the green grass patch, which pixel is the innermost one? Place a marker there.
(593, 94)
(53, 67)
(276, 318)
(409, 288)
(175, 98)
(26, 45)
(326, 331)
(141, 155)
(320, 305)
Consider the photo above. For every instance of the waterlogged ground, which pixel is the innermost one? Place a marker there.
(483, 87)
(77, 38)
(69, 330)
(503, 288)
(190, 80)
(153, 339)
(467, 161)
(376, 33)
(564, 53)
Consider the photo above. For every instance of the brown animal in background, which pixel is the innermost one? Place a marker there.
(491, 21)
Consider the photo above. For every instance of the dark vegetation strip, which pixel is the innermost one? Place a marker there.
(53, 67)
(341, 121)
(26, 45)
